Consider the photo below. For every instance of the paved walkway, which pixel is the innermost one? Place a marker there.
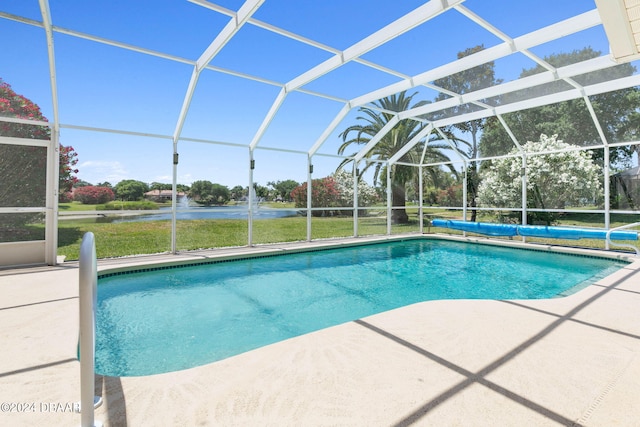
(565, 361)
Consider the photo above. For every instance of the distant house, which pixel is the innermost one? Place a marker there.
(162, 195)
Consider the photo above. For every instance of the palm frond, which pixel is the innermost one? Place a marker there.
(371, 121)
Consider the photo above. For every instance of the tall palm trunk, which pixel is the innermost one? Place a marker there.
(398, 216)
(472, 189)
(474, 178)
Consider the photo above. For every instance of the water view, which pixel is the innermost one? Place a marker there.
(222, 212)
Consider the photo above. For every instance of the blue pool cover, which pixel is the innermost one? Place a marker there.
(478, 227)
(543, 231)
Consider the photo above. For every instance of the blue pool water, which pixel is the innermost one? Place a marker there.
(165, 320)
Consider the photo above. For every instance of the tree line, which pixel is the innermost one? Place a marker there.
(202, 192)
(335, 190)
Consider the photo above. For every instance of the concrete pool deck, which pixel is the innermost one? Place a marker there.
(563, 361)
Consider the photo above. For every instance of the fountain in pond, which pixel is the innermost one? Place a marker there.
(255, 200)
(183, 202)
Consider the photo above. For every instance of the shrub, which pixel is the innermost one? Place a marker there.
(91, 195)
(65, 197)
(367, 195)
(450, 196)
(130, 206)
(207, 193)
(562, 176)
(324, 194)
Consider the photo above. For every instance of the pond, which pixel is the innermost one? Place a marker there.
(222, 212)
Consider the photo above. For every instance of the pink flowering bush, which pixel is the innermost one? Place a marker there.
(92, 195)
(324, 194)
(24, 168)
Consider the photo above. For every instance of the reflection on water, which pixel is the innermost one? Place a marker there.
(206, 213)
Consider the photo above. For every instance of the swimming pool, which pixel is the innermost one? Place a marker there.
(163, 320)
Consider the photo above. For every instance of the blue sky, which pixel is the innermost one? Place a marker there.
(106, 87)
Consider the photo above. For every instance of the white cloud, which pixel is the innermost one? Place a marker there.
(186, 179)
(95, 171)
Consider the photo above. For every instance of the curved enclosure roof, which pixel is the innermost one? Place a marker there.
(285, 78)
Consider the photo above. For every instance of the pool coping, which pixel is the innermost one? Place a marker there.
(545, 362)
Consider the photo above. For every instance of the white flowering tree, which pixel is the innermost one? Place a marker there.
(554, 180)
(344, 182)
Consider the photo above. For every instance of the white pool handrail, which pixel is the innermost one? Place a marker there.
(88, 285)
(622, 245)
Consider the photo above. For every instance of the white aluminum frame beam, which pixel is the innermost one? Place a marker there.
(301, 39)
(595, 89)
(595, 64)
(596, 122)
(519, 155)
(463, 158)
(457, 6)
(27, 142)
(520, 44)
(329, 129)
(227, 33)
(210, 67)
(510, 133)
(268, 118)
(137, 49)
(541, 62)
(398, 27)
(53, 151)
(25, 121)
(238, 20)
(567, 27)
(374, 141)
(412, 143)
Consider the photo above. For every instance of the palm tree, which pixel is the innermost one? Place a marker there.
(374, 120)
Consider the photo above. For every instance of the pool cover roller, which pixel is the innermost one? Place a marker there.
(543, 231)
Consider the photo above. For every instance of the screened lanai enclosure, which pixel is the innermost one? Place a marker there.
(243, 123)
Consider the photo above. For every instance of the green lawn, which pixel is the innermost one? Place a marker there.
(115, 205)
(149, 237)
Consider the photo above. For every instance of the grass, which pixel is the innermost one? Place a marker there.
(115, 205)
(77, 206)
(149, 237)
(138, 205)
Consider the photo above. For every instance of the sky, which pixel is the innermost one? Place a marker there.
(102, 86)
